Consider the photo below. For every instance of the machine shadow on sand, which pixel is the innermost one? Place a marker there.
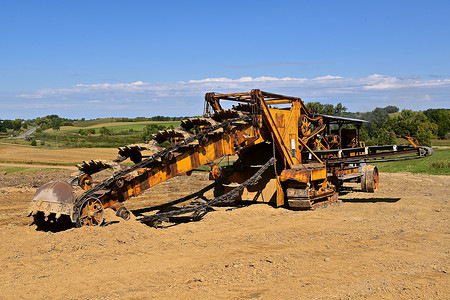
(373, 200)
(348, 189)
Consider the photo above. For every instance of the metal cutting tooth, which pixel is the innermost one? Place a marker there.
(125, 151)
(243, 107)
(164, 135)
(226, 114)
(94, 166)
(217, 131)
(197, 122)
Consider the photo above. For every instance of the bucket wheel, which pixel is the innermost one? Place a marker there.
(91, 213)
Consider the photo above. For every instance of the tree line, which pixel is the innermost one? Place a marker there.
(47, 122)
(387, 122)
(384, 123)
(55, 122)
(155, 118)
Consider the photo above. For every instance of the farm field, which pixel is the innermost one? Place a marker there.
(69, 157)
(437, 164)
(120, 133)
(115, 126)
(390, 244)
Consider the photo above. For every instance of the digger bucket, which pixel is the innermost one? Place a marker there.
(56, 197)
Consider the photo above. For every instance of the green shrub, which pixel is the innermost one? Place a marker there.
(82, 132)
(149, 130)
(440, 165)
(386, 138)
(105, 131)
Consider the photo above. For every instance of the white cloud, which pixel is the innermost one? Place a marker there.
(185, 97)
(327, 77)
(328, 84)
(381, 82)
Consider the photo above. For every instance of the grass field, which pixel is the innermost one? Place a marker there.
(95, 122)
(440, 143)
(437, 164)
(123, 133)
(73, 140)
(115, 126)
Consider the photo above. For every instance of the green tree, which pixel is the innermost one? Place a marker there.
(326, 109)
(314, 107)
(407, 122)
(44, 123)
(441, 117)
(105, 131)
(339, 109)
(386, 138)
(8, 124)
(149, 130)
(17, 124)
(426, 132)
(56, 124)
(391, 109)
(377, 121)
(82, 132)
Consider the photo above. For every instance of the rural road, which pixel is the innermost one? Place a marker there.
(24, 135)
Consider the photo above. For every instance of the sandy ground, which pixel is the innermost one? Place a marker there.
(391, 244)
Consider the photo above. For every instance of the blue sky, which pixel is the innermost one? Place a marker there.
(143, 58)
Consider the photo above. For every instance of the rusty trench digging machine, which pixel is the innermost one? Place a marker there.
(287, 156)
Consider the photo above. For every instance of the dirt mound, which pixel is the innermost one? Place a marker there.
(391, 244)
